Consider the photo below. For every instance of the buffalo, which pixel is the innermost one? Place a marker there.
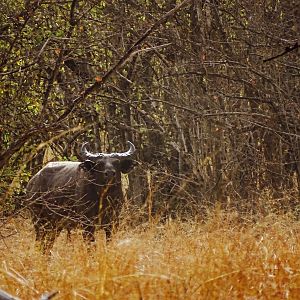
(67, 194)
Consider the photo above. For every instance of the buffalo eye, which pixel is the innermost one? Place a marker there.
(87, 165)
(126, 165)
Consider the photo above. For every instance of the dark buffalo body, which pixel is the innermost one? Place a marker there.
(65, 194)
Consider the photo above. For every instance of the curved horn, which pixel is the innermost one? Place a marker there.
(127, 153)
(122, 154)
(85, 153)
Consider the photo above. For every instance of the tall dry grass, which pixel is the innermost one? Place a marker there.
(223, 257)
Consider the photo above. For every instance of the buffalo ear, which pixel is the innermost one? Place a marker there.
(126, 165)
(87, 165)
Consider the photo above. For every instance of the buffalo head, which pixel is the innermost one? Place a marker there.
(106, 167)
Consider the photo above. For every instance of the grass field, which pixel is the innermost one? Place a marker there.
(222, 258)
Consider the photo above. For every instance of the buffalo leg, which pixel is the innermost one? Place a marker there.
(50, 239)
(45, 236)
(110, 222)
(69, 235)
(89, 233)
(40, 235)
(108, 231)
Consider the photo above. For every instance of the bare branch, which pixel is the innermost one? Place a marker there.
(287, 50)
(97, 84)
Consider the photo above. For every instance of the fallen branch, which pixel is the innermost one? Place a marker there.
(6, 296)
(46, 296)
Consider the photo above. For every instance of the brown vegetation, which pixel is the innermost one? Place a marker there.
(225, 257)
(208, 91)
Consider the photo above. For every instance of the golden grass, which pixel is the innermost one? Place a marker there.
(221, 258)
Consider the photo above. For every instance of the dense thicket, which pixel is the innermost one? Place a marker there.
(201, 89)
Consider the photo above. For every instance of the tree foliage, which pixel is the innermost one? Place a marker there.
(185, 81)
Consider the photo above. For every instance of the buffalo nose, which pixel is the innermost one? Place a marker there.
(109, 173)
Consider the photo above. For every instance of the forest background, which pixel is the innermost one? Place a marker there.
(208, 91)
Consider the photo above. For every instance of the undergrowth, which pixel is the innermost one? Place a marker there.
(222, 257)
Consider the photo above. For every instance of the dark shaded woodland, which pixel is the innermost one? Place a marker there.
(208, 91)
